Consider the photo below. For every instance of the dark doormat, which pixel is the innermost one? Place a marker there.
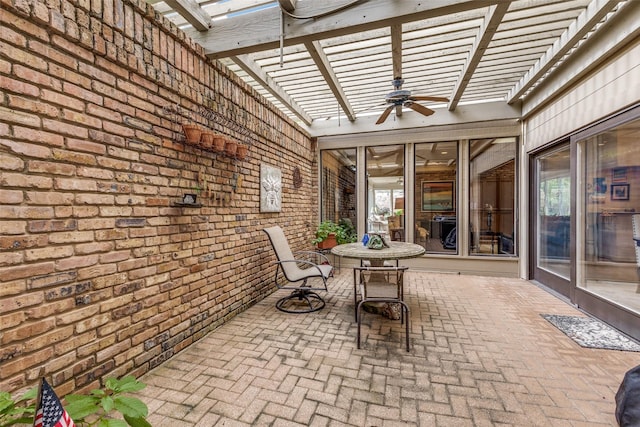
(592, 333)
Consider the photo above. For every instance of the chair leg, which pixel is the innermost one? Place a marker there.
(359, 320)
(405, 307)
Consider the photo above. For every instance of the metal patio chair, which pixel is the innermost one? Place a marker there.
(298, 268)
(382, 285)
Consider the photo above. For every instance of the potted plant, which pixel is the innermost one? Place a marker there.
(330, 234)
(326, 235)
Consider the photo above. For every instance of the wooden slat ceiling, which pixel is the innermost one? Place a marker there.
(338, 58)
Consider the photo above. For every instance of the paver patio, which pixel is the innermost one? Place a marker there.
(481, 356)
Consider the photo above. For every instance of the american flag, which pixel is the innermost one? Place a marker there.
(50, 412)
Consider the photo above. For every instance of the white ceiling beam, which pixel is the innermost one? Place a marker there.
(485, 35)
(192, 12)
(260, 30)
(474, 116)
(288, 5)
(251, 68)
(616, 35)
(324, 66)
(396, 57)
(220, 9)
(596, 10)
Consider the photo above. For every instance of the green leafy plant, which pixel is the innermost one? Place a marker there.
(97, 408)
(349, 234)
(20, 410)
(324, 229)
(344, 230)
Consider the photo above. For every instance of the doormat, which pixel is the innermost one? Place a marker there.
(592, 333)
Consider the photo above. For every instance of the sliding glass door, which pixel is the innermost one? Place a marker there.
(551, 219)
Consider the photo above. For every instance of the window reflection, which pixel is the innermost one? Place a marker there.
(385, 191)
(491, 196)
(610, 187)
(338, 186)
(435, 216)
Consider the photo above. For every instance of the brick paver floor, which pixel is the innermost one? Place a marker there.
(481, 356)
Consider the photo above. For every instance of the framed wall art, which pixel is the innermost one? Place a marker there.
(619, 191)
(270, 189)
(437, 196)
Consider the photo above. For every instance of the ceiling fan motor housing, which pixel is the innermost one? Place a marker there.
(398, 95)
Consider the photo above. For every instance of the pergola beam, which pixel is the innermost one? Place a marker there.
(396, 57)
(192, 12)
(585, 22)
(250, 67)
(324, 66)
(485, 35)
(260, 30)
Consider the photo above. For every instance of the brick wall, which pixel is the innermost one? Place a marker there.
(100, 273)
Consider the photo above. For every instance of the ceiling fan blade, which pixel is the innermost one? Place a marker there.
(385, 114)
(419, 108)
(428, 98)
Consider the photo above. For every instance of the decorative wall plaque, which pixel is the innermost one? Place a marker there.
(270, 189)
(297, 177)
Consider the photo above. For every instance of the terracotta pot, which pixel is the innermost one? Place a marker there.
(230, 147)
(218, 144)
(242, 151)
(206, 140)
(329, 242)
(192, 133)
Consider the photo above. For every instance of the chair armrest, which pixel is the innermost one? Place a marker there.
(323, 257)
(302, 261)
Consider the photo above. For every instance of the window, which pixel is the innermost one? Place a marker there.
(338, 186)
(385, 190)
(435, 210)
(491, 196)
(610, 215)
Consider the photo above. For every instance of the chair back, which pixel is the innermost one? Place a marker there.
(282, 249)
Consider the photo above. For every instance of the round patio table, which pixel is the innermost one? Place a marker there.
(396, 250)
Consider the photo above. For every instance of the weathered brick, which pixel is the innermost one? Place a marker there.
(10, 162)
(46, 226)
(51, 168)
(25, 361)
(11, 228)
(49, 252)
(25, 271)
(27, 330)
(51, 280)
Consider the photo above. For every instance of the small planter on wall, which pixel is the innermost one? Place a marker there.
(206, 140)
(230, 148)
(218, 144)
(192, 133)
(242, 151)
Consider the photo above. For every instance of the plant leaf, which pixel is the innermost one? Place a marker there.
(29, 394)
(137, 422)
(112, 383)
(131, 406)
(82, 406)
(107, 404)
(73, 398)
(109, 422)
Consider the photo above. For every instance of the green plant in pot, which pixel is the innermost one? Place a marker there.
(326, 235)
(330, 234)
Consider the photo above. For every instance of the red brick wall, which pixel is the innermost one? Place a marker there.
(100, 274)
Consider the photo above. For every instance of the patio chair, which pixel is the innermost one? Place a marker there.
(382, 285)
(297, 268)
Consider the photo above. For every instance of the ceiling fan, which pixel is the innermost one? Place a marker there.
(403, 98)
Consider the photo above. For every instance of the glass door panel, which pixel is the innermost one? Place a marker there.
(608, 259)
(552, 222)
(385, 191)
